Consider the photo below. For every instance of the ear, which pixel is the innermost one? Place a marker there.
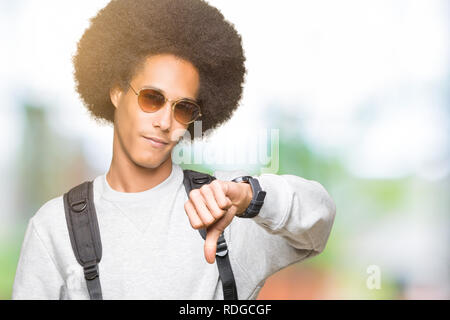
(116, 95)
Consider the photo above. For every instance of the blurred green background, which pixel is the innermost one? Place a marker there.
(358, 91)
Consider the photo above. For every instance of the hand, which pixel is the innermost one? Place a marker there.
(213, 207)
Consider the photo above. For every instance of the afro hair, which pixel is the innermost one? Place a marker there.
(125, 32)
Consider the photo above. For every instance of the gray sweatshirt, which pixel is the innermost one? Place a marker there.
(150, 250)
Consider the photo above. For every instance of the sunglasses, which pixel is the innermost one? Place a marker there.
(152, 99)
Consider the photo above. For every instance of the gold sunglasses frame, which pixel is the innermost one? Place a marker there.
(173, 103)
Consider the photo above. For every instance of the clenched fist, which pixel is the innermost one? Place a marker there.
(213, 207)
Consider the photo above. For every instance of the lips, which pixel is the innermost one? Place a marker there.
(157, 141)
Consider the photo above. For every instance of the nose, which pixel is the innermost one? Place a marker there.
(163, 117)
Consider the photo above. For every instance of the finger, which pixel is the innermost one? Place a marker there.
(211, 202)
(200, 206)
(214, 232)
(194, 219)
(212, 236)
(223, 201)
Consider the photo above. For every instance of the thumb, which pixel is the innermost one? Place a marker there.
(212, 236)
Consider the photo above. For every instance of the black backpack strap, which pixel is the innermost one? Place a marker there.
(194, 180)
(84, 234)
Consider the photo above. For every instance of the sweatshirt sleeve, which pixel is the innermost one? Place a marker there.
(299, 210)
(37, 277)
(294, 224)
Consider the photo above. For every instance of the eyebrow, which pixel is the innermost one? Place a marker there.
(162, 91)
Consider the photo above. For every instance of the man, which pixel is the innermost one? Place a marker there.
(152, 68)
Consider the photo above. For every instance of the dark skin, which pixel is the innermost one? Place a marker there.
(139, 164)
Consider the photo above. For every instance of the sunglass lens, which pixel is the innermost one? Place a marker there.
(150, 100)
(186, 112)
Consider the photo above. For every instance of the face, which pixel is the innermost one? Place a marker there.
(133, 127)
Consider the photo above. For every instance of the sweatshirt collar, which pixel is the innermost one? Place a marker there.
(166, 187)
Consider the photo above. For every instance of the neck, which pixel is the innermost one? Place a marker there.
(125, 175)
